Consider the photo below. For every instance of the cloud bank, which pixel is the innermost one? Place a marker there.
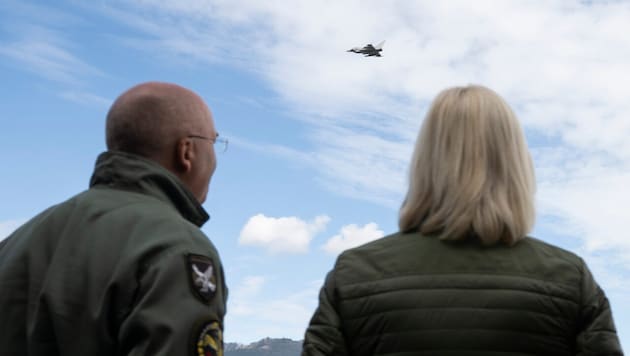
(562, 66)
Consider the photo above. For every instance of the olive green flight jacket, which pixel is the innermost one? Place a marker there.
(408, 294)
(119, 269)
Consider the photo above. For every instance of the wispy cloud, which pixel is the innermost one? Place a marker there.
(248, 289)
(283, 234)
(288, 153)
(35, 39)
(84, 98)
(45, 53)
(284, 315)
(16, 13)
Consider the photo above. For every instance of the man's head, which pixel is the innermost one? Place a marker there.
(170, 125)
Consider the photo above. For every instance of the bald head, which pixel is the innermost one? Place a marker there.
(170, 125)
(147, 119)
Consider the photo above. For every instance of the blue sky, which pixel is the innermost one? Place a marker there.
(320, 139)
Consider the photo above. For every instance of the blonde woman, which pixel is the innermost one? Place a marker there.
(462, 277)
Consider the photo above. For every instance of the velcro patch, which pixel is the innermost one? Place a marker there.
(203, 281)
(207, 339)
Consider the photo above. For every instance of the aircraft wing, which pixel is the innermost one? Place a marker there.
(369, 48)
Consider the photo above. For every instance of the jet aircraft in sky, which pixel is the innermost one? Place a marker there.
(369, 50)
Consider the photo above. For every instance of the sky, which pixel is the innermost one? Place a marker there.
(319, 138)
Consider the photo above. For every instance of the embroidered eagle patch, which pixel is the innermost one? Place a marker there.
(203, 281)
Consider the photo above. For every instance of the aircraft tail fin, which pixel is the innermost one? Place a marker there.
(380, 45)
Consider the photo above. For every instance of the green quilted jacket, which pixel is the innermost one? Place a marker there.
(408, 294)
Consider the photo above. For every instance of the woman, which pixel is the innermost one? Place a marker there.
(461, 277)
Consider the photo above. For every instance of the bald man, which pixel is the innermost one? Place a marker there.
(123, 268)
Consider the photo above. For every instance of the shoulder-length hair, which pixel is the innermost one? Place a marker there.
(471, 172)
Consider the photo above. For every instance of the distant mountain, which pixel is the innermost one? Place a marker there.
(265, 347)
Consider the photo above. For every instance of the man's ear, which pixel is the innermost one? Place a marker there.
(184, 155)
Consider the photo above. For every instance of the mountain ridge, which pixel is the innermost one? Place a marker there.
(265, 347)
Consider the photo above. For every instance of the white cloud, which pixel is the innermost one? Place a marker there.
(284, 234)
(7, 227)
(352, 236)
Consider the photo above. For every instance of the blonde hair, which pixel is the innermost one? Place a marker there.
(471, 172)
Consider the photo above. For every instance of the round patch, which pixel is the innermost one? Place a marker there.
(208, 340)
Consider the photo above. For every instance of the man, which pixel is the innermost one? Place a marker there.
(123, 268)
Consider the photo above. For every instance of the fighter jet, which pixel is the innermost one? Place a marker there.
(369, 50)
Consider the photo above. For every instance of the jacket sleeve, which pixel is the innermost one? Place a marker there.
(596, 333)
(169, 316)
(324, 335)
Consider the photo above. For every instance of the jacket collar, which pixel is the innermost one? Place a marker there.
(131, 172)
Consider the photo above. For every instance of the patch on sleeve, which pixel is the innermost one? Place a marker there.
(201, 272)
(207, 339)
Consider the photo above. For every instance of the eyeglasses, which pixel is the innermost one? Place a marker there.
(221, 142)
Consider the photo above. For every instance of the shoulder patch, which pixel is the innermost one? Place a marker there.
(202, 276)
(207, 339)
